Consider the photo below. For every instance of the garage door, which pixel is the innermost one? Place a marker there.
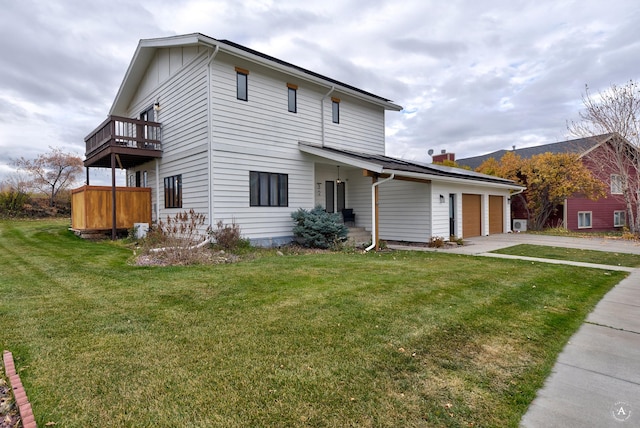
(496, 214)
(471, 217)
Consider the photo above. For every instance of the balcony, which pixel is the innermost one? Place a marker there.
(131, 142)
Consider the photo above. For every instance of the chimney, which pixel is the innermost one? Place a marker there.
(443, 156)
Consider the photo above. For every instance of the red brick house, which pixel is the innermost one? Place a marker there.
(577, 213)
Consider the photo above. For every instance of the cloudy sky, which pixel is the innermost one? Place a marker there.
(473, 76)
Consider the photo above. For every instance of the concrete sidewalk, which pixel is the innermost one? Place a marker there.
(596, 379)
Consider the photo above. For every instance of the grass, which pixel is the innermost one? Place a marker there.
(574, 254)
(327, 340)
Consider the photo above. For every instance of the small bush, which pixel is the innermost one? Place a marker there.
(175, 240)
(318, 229)
(436, 242)
(228, 236)
(13, 203)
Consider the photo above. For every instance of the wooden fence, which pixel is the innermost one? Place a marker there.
(91, 207)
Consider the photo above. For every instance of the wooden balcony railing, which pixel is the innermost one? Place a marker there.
(124, 132)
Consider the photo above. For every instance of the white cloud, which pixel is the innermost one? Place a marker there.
(473, 76)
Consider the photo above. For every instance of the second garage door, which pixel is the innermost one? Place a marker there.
(471, 215)
(496, 214)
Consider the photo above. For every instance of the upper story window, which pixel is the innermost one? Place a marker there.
(267, 189)
(242, 82)
(292, 95)
(173, 191)
(616, 184)
(335, 109)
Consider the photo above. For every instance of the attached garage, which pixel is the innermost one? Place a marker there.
(471, 215)
(496, 214)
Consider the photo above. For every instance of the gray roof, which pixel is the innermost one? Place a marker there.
(387, 163)
(579, 146)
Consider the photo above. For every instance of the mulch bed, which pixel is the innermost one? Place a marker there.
(9, 416)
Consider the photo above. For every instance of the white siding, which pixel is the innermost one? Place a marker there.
(440, 212)
(255, 135)
(361, 127)
(177, 78)
(404, 213)
(231, 193)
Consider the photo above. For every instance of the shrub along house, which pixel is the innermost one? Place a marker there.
(240, 136)
(577, 212)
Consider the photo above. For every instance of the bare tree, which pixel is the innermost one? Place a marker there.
(616, 111)
(51, 172)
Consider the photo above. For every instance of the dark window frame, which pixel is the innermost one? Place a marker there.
(268, 189)
(335, 110)
(292, 98)
(242, 84)
(173, 191)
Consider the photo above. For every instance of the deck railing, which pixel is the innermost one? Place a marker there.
(125, 132)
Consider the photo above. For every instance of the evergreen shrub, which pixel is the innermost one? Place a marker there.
(318, 229)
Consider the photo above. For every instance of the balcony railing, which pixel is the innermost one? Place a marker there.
(124, 132)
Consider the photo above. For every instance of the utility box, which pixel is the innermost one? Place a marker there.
(141, 229)
(519, 225)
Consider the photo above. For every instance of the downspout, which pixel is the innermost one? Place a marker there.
(333, 88)
(374, 238)
(209, 132)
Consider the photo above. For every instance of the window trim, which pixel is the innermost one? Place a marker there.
(615, 187)
(585, 214)
(242, 88)
(292, 92)
(173, 191)
(276, 193)
(616, 216)
(335, 110)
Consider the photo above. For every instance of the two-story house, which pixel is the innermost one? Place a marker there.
(241, 136)
(577, 213)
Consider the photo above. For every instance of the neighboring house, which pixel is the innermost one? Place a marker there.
(577, 213)
(240, 136)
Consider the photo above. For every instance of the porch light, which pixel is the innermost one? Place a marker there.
(156, 106)
(442, 199)
(338, 180)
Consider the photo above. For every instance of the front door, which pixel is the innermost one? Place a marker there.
(329, 195)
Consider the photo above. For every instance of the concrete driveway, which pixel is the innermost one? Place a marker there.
(596, 379)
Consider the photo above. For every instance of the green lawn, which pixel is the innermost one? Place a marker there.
(575, 254)
(330, 340)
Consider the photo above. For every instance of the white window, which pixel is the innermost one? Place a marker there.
(616, 184)
(584, 219)
(619, 218)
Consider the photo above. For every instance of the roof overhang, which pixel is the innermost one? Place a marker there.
(341, 158)
(443, 175)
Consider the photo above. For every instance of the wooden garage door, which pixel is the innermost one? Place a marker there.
(496, 214)
(471, 217)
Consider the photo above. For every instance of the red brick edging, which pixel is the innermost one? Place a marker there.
(24, 407)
